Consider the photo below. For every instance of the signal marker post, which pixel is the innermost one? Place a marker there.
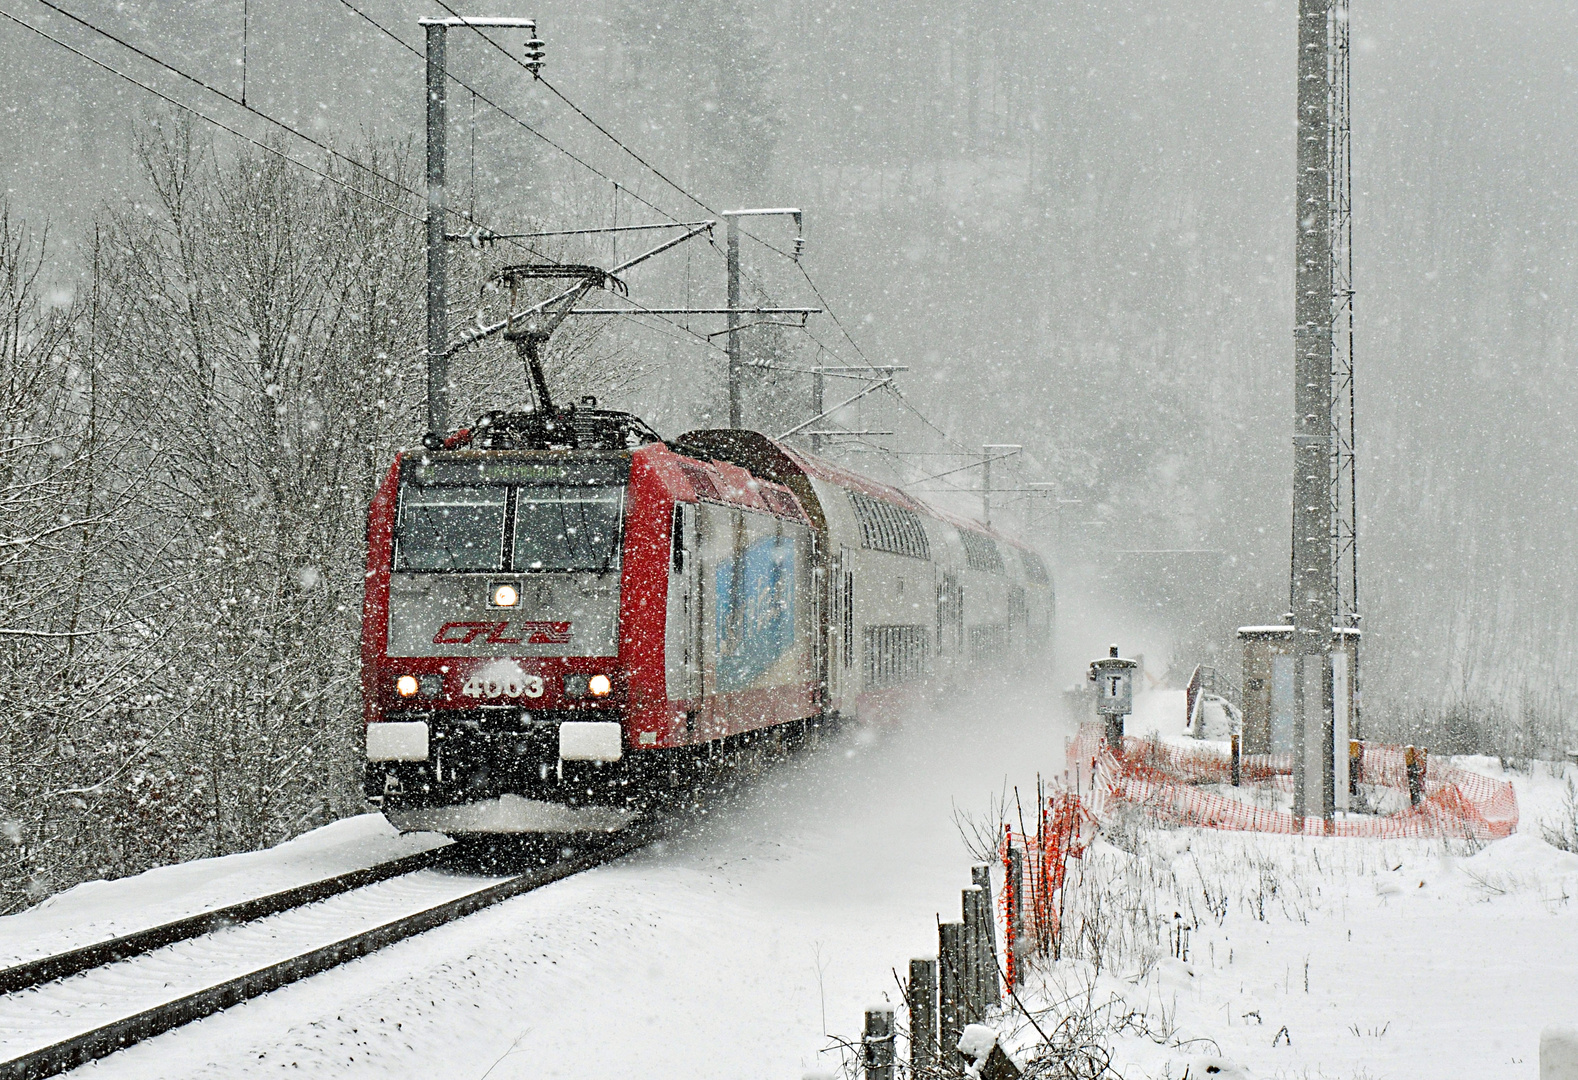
(1113, 678)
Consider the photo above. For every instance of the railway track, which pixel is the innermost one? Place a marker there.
(64, 1010)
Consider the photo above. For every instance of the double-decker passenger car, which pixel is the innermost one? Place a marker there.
(562, 612)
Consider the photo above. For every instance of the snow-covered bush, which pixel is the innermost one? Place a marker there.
(1562, 832)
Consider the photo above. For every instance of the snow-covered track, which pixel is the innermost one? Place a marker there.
(133, 1023)
(62, 965)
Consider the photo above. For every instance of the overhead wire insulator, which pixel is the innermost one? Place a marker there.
(534, 56)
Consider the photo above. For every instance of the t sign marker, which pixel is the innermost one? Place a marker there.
(1113, 677)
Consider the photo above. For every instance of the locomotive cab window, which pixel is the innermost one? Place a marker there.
(567, 528)
(450, 528)
(521, 517)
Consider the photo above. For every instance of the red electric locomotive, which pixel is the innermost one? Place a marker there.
(562, 610)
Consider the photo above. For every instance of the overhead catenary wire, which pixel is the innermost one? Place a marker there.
(276, 151)
(893, 388)
(696, 199)
(211, 88)
(962, 468)
(273, 150)
(684, 332)
(253, 110)
(537, 76)
(674, 219)
(603, 130)
(513, 239)
(501, 110)
(898, 394)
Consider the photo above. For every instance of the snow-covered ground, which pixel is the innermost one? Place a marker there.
(726, 953)
(99, 910)
(1344, 958)
(735, 950)
(1330, 957)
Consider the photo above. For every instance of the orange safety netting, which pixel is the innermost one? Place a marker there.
(1165, 780)
(1034, 868)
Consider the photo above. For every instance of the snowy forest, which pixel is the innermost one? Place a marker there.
(1072, 222)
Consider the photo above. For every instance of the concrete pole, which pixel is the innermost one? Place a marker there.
(736, 373)
(1311, 586)
(437, 310)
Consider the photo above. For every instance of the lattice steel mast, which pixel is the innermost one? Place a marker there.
(1344, 488)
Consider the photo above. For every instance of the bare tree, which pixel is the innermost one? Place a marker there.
(186, 457)
(79, 632)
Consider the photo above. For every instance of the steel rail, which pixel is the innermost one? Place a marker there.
(117, 1035)
(61, 965)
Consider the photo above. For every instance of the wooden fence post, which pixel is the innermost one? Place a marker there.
(1414, 765)
(974, 1000)
(991, 987)
(950, 993)
(923, 1016)
(1014, 947)
(877, 1044)
(1238, 772)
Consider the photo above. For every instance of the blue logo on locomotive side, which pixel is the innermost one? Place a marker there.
(755, 611)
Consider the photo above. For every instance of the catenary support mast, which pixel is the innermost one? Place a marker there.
(1313, 599)
(437, 321)
(732, 263)
(437, 255)
(736, 371)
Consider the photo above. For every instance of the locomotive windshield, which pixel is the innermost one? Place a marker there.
(522, 516)
(560, 528)
(451, 528)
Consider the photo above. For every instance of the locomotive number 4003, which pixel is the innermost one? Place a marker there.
(510, 686)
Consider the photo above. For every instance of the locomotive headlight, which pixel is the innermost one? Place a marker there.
(505, 595)
(578, 685)
(407, 686)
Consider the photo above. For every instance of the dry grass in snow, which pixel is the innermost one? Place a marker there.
(1194, 953)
